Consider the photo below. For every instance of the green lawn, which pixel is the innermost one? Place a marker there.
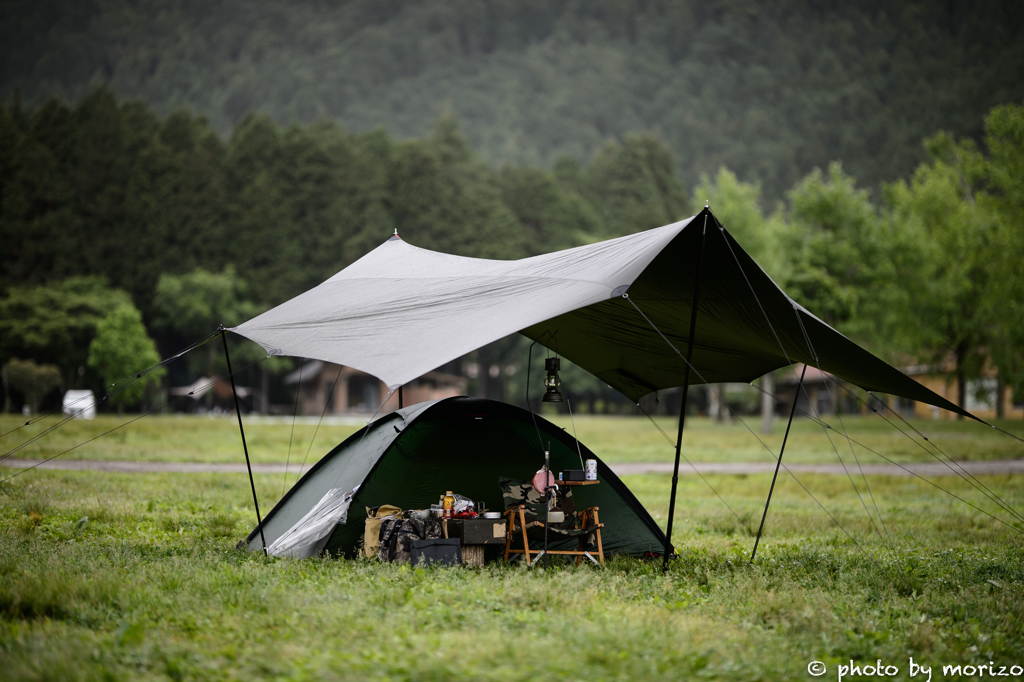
(614, 439)
(171, 438)
(117, 576)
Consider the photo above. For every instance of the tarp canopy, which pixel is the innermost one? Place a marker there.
(401, 311)
(411, 456)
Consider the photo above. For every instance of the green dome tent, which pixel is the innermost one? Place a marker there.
(410, 457)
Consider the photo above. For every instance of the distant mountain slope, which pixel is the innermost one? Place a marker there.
(768, 88)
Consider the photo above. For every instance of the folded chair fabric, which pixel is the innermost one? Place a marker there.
(515, 493)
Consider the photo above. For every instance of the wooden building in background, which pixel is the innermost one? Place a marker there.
(816, 398)
(345, 390)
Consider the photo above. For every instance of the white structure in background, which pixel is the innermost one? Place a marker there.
(80, 404)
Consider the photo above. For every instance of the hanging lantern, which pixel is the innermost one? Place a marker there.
(552, 382)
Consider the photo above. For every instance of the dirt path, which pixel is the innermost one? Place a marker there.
(1004, 466)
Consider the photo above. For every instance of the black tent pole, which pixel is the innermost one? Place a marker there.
(547, 501)
(686, 390)
(779, 462)
(238, 411)
(400, 397)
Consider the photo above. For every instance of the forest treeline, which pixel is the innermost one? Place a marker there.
(107, 208)
(768, 88)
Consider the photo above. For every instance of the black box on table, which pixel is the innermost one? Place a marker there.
(477, 531)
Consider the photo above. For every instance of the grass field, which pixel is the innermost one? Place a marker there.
(614, 439)
(117, 576)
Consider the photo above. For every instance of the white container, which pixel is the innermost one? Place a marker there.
(590, 470)
(80, 404)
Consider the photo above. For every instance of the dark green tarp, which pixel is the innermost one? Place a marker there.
(746, 327)
(412, 456)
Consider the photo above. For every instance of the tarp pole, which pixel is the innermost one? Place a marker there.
(779, 462)
(238, 411)
(686, 390)
(400, 406)
(547, 501)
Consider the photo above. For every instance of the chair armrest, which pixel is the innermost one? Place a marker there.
(511, 515)
(589, 514)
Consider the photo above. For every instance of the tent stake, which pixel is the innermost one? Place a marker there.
(238, 411)
(686, 391)
(778, 463)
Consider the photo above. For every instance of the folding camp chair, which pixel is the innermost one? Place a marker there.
(525, 512)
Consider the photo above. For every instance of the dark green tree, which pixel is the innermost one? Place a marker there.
(770, 90)
(35, 382)
(836, 254)
(633, 186)
(191, 306)
(737, 205)
(944, 245)
(54, 323)
(443, 197)
(550, 217)
(175, 217)
(1003, 176)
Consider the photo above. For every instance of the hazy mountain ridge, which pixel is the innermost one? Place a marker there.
(769, 89)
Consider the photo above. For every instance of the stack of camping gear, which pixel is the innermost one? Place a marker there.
(417, 535)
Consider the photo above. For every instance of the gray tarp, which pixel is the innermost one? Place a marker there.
(401, 311)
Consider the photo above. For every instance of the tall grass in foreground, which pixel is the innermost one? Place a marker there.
(120, 577)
